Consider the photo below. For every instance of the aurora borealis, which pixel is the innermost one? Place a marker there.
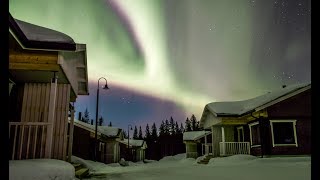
(171, 58)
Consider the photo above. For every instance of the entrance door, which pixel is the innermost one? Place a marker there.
(240, 134)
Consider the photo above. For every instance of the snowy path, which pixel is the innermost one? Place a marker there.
(262, 169)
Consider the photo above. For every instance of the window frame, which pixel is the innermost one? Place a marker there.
(294, 122)
(250, 126)
(242, 134)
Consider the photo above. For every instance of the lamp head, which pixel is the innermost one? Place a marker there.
(131, 128)
(106, 87)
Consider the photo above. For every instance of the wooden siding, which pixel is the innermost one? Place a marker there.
(296, 108)
(35, 106)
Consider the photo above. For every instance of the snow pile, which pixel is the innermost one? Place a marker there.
(173, 158)
(199, 159)
(41, 169)
(188, 161)
(232, 160)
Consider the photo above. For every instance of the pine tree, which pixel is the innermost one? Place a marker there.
(181, 128)
(172, 129)
(135, 133)
(176, 126)
(166, 127)
(162, 129)
(140, 133)
(188, 125)
(147, 133)
(154, 133)
(110, 124)
(193, 121)
(86, 118)
(100, 121)
(125, 135)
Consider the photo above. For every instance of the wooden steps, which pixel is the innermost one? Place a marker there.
(205, 160)
(80, 170)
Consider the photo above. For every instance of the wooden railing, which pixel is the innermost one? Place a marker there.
(28, 139)
(206, 149)
(232, 148)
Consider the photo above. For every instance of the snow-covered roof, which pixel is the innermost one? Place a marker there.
(242, 107)
(105, 130)
(194, 135)
(38, 37)
(38, 33)
(133, 142)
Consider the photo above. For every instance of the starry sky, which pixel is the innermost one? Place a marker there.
(167, 58)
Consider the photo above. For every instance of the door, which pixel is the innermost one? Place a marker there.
(240, 134)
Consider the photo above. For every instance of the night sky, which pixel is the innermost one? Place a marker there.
(167, 58)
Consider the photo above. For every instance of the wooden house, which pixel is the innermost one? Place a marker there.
(197, 143)
(136, 150)
(276, 123)
(108, 142)
(47, 71)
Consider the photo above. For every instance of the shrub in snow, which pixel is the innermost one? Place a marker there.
(122, 162)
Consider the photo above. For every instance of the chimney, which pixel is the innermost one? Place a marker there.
(283, 86)
(80, 116)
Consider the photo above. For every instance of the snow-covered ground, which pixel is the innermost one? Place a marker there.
(177, 167)
(40, 169)
(229, 168)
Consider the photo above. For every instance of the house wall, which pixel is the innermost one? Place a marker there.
(191, 149)
(295, 108)
(216, 139)
(82, 143)
(34, 98)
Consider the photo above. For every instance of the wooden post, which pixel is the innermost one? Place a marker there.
(71, 135)
(206, 148)
(223, 140)
(212, 142)
(52, 105)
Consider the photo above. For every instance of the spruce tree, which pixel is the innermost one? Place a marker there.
(154, 133)
(110, 124)
(86, 118)
(166, 127)
(140, 133)
(176, 127)
(172, 129)
(193, 123)
(188, 125)
(100, 121)
(135, 133)
(147, 133)
(162, 129)
(181, 128)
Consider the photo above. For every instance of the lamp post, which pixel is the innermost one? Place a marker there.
(97, 108)
(129, 138)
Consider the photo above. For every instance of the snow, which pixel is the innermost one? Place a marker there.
(194, 135)
(224, 168)
(105, 130)
(40, 169)
(241, 107)
(38, 33)
(133, 142)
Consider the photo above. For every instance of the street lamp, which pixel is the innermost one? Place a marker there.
(128, 139)
(97, 107)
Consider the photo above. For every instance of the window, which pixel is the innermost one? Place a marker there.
(283, 132)
(240, 134)
(254, 134)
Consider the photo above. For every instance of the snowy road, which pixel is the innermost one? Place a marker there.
(262, 169)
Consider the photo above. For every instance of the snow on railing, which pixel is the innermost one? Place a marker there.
(232, 148)
(27, 139)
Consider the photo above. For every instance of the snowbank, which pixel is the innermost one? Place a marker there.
(173, 158)
(41, 169)
(232, 160)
